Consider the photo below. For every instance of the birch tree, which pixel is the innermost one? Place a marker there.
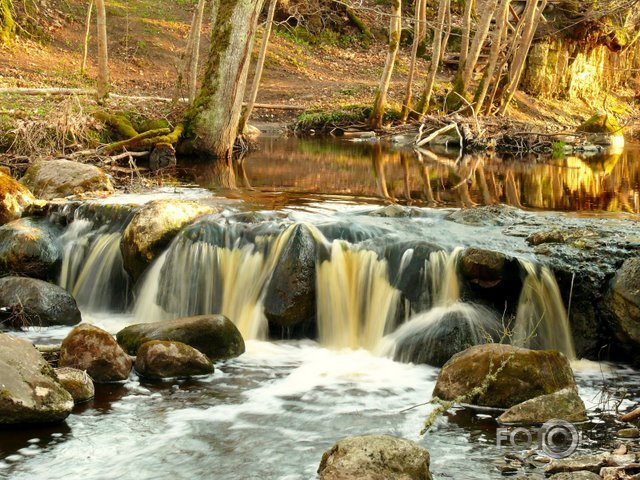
(102, 91)
(435, 57)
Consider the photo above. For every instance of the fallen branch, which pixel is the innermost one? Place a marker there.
(437, 133)
(136, 142)
(48, 91)
(631, 416)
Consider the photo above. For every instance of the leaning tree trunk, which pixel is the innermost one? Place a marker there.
(87, 33)
(7, 25)
(435, 58)
(214, 117)
(418, 31)
(466, 29)
(395, 26)
(194, 54)
(103, 57)
(479, 39)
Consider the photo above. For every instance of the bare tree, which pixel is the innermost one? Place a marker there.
(194, 54)
(103, 57)
(435, 57)
(418, 35)
(87, 33)
(466, 31)
(479, 39)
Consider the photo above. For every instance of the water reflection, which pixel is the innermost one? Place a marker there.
(604, 182)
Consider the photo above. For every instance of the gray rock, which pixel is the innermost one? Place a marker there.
(90, 348)
(42, 304)
(623, 302)
(77, 382)
(214, 335)
(291, 294)
(565, 404)
(487, 268)
(62, 178)
(589, 463)
(29, 389)
(493, 215)
(164, 359)
(375, 457)
(29, 247)
(575, 476)
(14, 198)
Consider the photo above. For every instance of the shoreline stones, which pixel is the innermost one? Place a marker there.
(90, 348)
(14, 198)
(214, 335)
(165, 359)
(29, 388)
(77, 382)
(375, 457)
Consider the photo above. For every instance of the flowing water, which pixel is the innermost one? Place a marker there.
(387, 287)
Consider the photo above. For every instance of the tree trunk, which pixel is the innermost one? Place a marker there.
(466, 29)
(87, 33)
(194, 54)
(418, 31)
(435, 57)
(380, 102)
(447, 34)
(214, 117)
(103, 57)
(259, 66)
(7, 24)
(479, 38)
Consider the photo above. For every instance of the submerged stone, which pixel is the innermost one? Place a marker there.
(14, 199)
(214, 335)
(375, 457)
(29, 389)
(77, 382)
(501, 376)
(565, 404)
(90, 348)
(165, 359)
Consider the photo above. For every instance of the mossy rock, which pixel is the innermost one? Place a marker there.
(601, 123)
(77, 382)
(167, 359)
(214, 335)
(14, 198)
(565, 405)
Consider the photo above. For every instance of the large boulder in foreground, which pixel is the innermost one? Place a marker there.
(503, 375)
(375, 457)
(90, 348)
(164, 359)
(62, 178)
(29, 247)
(14, 198)
(291, 294)
(153, 227)
(214, 335)
(77, 382)
(564, 404)
(40, 303)
(622, 303)
(29, 390)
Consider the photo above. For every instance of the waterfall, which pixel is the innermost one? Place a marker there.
(445, 286)
(541, 319)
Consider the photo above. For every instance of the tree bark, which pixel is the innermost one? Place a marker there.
(103, 57)
(214, 117)
(418, 32)
(194, 55)
(479, 39)
(435, 58)
(380, 102)
(466, 29)
(87, 33)
(259, 66)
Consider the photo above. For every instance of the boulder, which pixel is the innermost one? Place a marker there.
(29, 247)
(153, 227)
(564, 404)
(39, 303)
(90, 348)
(62, 178)
(487, 268)
(14, 198)
(291, 293)
(77, 382)
(165, 359)
(214, 335)
(375, 457)
(501, 376)
(623, 303)
(29, 389)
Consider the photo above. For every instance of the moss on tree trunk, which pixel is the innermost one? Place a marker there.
(7, 24)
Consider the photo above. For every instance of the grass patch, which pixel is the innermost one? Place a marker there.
(325, 120)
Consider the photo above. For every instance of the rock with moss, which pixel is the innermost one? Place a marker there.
(14, 198)
(375, 457)
(29, 389)
(77, 382)
(214, 335)
(501, 376)
(604, 129)
(38, 303)
(166, 359)
(564, 404)
(153, 227)
(29, 247)
(63, 178)
(95, 351)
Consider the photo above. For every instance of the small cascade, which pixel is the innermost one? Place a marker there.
(541, 320)
(355, 301)
(445, 286)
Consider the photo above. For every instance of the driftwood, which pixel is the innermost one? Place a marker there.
(631, 416)
(441, 131)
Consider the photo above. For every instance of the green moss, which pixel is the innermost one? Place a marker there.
(601, 123)
(7, 24)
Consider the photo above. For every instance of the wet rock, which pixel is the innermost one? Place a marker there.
(152, 228)
(437, 335)
(565, 404)
(351, 232)
(29, 247)
(291, 294)
(38, 303)
(14, 198)
(520, 374)
(375, 457)
(623, 303)
(77, 382)
(627, 472)
(575, 476)
(90, 348)
(547, 236)
(165, 359)
(397, 211)
(492, 215)
(487, 268)
(29, 389)
(629, 433)
(62, 178)
(588, 463)
(214, 335)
